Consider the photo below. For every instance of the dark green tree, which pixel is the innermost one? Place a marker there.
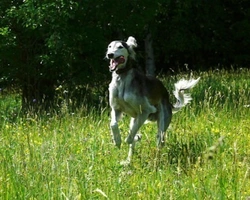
(45, 44)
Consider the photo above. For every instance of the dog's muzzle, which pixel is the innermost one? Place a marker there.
(110, 55)
(114, 62)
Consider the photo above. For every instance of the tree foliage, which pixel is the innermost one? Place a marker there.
(44, 44)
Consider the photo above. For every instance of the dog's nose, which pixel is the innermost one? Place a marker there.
(110, 55)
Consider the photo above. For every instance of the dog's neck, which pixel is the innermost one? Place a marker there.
(129, 65)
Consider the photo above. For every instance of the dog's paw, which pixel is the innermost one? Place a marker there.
(137, 137)
(130, 139)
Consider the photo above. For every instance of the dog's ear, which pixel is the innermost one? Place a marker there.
(131, 42)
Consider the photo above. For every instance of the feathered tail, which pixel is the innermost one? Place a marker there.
(182, 98)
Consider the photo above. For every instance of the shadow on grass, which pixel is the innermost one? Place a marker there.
(178, 152)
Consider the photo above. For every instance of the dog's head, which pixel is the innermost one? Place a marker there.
(119, 52)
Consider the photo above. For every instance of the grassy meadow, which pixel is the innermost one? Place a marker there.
(71, 155)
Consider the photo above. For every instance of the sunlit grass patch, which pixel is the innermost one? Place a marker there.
(71, 155)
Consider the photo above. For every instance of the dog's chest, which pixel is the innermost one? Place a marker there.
(127, 94)
(120, 91)
(117, 89)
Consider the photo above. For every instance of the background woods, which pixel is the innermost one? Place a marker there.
(53, 48)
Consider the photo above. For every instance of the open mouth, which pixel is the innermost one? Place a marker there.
(115, 62)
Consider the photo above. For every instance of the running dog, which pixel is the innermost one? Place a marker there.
(141, 97)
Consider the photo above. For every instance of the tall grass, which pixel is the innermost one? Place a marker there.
(71, 155)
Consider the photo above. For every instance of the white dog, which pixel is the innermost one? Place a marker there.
(140, 96)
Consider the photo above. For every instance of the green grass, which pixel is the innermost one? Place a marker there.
(71, 156)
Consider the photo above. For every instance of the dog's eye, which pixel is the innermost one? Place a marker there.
(120, 47)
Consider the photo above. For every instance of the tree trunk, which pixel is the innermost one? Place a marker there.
(150, 61)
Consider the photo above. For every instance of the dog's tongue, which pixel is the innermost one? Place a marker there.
(115, 62)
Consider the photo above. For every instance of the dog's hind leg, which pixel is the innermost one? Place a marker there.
(163, 121)
(132, 147)
(115, 116)
(133, 137)
(135, 125)
(130, 153)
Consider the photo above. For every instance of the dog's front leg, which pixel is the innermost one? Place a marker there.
(115, 116)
